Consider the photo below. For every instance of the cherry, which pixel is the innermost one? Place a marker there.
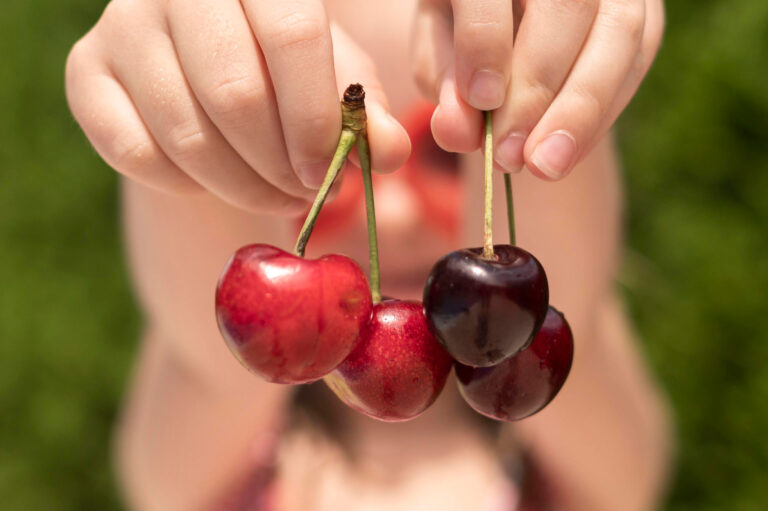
(525, 383)
(485, 310)
(397, 369)
(289, 319)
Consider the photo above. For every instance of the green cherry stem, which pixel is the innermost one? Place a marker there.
(488, 212)
(363, 151)
(353, 121)
(346, 141)
(510, 208)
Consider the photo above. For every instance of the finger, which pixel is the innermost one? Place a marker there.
(432, 46)
(456, 126)
(483, 36)
(389, 143)
(295, 38)
(112, 124)
(572, 121)
(549, 39)
(146, 63)
(227, 72)
(652, 35)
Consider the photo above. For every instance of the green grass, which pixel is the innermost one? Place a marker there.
(695, 149)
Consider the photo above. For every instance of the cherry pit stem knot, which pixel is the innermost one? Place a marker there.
(488, 213)
(353, 121)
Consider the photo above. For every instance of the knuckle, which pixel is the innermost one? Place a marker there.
(635, 24)
(316, 123)
(537, 88)
(576, 6)
(486, 33)
(185, 141)
(482, 25)
(297, 30)
(234, 99)
(131, 154)
(588, 102)
(627, 17)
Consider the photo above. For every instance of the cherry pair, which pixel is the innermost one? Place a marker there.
(293, 320)
(489, 308)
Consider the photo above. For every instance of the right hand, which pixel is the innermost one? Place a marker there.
(240, 98)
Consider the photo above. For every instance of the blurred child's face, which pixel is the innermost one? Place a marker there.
(418, 212)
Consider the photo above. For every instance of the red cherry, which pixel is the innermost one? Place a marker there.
(289, 319)
(397, 369)
(525, 383)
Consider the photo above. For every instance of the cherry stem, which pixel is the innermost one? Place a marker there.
(364, 152)
(510, 208)
(488, 216)
(353, 121)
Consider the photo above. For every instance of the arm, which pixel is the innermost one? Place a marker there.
(605, 442)
(557, 74)
(204, 105)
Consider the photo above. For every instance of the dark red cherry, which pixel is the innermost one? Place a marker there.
(397, 370)
(525, 383)
(483, 311)
(288, 319)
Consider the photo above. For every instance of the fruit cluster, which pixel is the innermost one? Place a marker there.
(485, 312)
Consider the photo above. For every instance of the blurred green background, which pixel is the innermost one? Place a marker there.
(695, 149)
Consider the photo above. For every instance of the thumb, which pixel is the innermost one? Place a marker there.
(456, 126)
(389, 142)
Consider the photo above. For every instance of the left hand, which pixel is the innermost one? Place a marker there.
(557, 73)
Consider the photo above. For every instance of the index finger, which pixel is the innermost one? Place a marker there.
(483, 35)
(295, 38)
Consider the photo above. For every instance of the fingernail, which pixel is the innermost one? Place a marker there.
(486, 90)
(509, 153)
(554, 155)
(312, 174)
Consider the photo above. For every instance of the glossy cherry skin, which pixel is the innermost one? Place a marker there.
(525, 383)
(288, 319)
(397, 370)
(483, 311)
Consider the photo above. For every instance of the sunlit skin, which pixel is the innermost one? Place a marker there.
(195, 420)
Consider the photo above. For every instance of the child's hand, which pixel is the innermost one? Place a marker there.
(239, 97)
(574, 67)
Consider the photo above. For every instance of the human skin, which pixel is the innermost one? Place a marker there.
(178, 445)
